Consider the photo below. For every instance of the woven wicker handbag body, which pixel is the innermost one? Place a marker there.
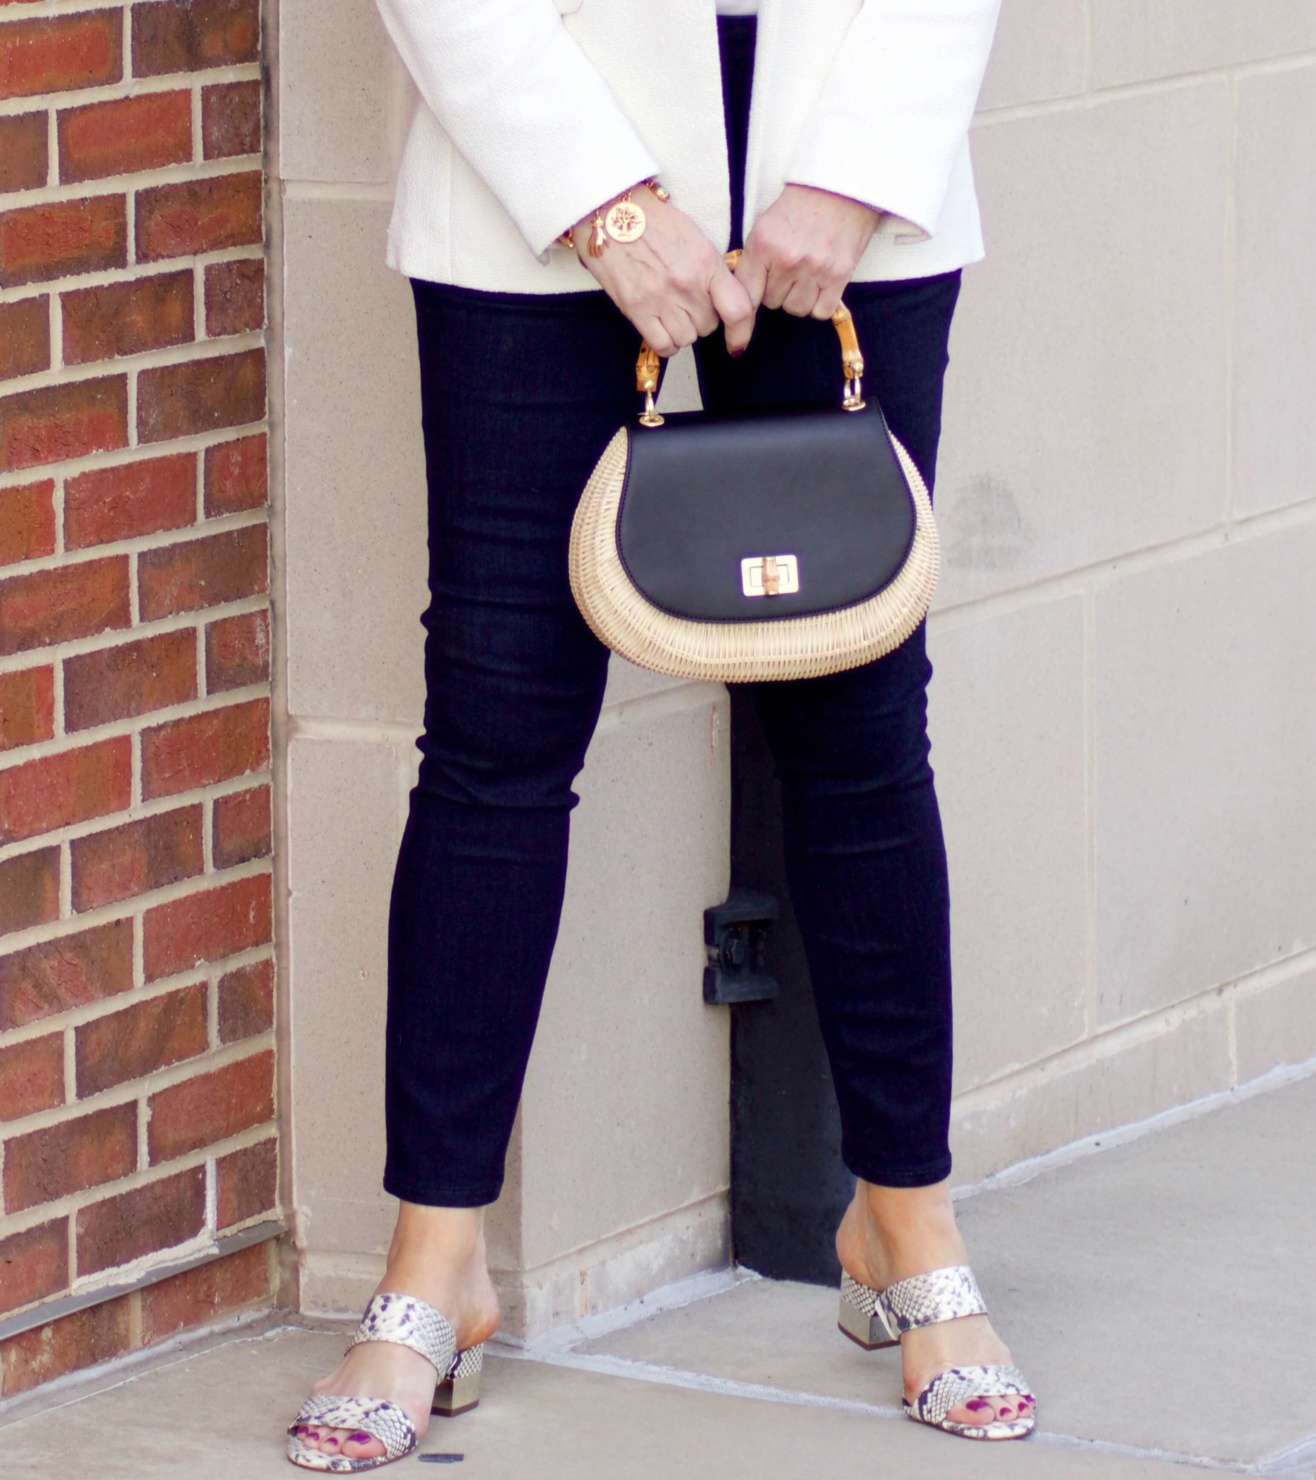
(779, 545)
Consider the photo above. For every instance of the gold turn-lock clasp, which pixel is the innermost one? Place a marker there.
(770, 575)
(852, 365)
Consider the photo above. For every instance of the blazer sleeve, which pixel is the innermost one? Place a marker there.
(894, 113)
(523, 105)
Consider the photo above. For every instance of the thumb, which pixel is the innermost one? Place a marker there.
(753, 276)
(735, 309)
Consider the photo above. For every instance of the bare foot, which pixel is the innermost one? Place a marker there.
(438, 1256)
(891, 1233)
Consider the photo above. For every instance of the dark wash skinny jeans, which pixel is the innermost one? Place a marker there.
(520, 394)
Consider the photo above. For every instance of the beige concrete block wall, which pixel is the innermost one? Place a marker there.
(619, 1168)
(1122, 721)
(1123, 640)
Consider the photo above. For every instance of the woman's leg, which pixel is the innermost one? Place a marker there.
(865, 859)
(519, 396)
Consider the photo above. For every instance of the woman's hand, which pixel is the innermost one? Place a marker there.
(672, 284)
(803, 251)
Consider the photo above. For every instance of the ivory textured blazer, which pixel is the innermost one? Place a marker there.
(533, 112)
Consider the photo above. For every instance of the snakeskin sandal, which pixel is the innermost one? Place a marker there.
(406, 1321)
(875, 1318)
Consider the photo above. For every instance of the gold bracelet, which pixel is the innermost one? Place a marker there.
(623, 220)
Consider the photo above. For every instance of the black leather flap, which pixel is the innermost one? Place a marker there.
(704, 494)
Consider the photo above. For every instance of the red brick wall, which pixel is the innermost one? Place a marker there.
(136, 973)
(226, 1287)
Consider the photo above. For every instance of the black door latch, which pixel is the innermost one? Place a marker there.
(735, 934)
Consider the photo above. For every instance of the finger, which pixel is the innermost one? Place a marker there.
(779, 284)
(680, 328)
(829, 300)
(752, 276)
(703, 314)
(736, 310)
(656, 337)
(801, 298)
(687, 331)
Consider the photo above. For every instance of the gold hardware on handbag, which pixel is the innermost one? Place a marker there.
(775, 545)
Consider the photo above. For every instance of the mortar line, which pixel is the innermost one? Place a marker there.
(145, 544)
(185, 173)
(692, 1290)
(56, 330)
(52, 144)
(111, 637)
(1122, 92)
(140, 904)
(1092, 1006)
(370, 194)
(1117, 1037)
(1231, 309)
(137, 812)
(649, 708)
(1089, 47)
(1108, 570)
(198, 149)
(132, 273)
(163, 356)
(72, 1203)
(1122, 1135)
(116, 729)
(617, 714)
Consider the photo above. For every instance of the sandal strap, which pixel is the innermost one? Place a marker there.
(377, 1417)
(927, 1299)
(406, 1321)
(469, 1363)
(863, 1297)
(958, 1385)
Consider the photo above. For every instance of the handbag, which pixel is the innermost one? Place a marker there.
(775, 545)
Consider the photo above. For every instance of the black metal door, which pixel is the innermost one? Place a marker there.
(788, 1185)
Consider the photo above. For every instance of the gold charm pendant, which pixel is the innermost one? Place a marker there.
(626, 221)
(597, 240)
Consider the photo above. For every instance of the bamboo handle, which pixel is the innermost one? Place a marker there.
(852, 363)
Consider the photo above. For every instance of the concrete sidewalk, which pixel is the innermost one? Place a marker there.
(1160, 1294)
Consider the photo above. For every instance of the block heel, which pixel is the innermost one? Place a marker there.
(459, 1390)
(860, 1317)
